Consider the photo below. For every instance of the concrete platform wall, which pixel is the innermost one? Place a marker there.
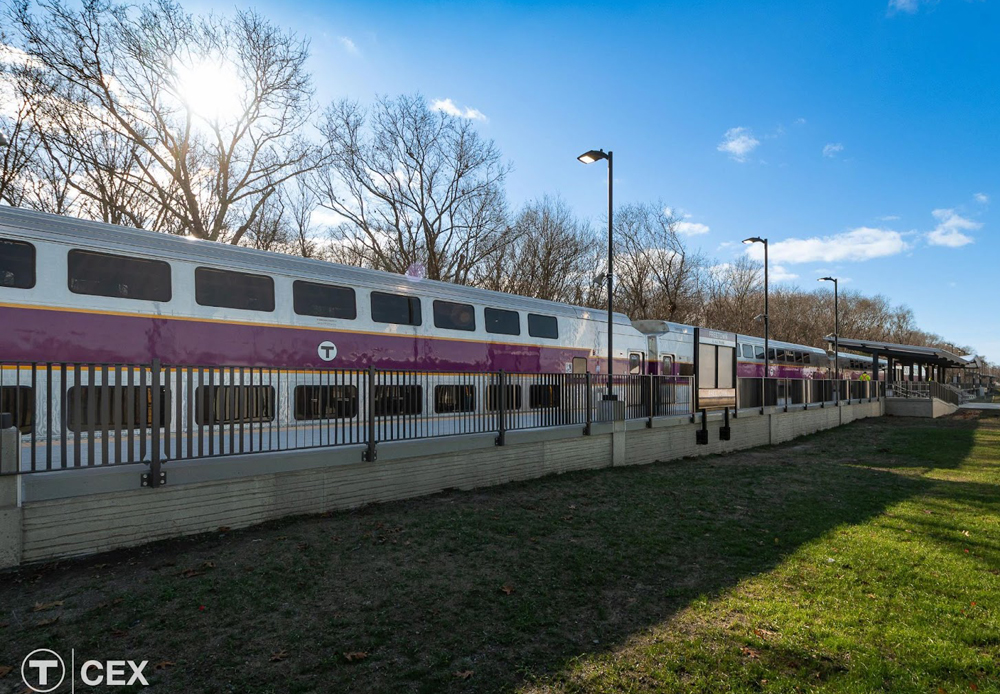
(930, 408)
(79, 512)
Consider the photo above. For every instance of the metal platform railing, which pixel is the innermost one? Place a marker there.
(785, 392)
(75, 416)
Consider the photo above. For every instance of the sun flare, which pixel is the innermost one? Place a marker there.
(210, 89)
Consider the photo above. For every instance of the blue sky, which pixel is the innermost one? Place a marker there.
(860, 137)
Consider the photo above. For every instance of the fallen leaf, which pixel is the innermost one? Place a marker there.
(224, 528)
(750, 652)
(966, 533)
(5, 670)
(508, 589)
(208, 565)
(355, 655)
(163, 665)
(973, 687)
(119, 632)
(190, 573)
(279, 656)
(40, 606)
(464, 674)
(47, 622)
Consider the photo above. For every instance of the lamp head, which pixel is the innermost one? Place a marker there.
(827, 279)
(754, 239)
(592, 156)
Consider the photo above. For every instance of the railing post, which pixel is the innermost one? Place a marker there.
(590, 407)
(155, 477)
(652, 406)
(371, 453)
(502, 409)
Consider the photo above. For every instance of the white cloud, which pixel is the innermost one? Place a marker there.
(908, 6)
(832, 149)
(448, 106)
(949, 230)
(738, 143)
(348, 45)
(982, 198)
(800, 121)
(889, 218)
(863, 243)
(691, 228)
(777, 273)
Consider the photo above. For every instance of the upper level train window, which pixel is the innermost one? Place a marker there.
(747, 351)
(119, 276)
(324, 300)
(454, 316)
(543, 326)
(500, 322)
(17, 264)
(758, 351)
(228, 289)
(395, 308)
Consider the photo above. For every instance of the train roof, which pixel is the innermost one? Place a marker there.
(70, 230)
(778, 344)
(662, 327)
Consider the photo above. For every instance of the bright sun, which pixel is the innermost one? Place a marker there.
(211, 89)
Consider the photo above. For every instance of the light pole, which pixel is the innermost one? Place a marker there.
(767, 319)
(836, 327)
(589, 158)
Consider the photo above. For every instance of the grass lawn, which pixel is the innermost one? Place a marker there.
(861, 559)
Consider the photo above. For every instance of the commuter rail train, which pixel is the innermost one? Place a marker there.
(74, 291)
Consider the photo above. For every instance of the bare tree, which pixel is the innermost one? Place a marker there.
(550, 255)
(300, 203)
(415, 188)
(734, 297)
(116, 101)
(657, 276)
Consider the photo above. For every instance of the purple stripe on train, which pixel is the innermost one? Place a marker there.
(57, 336)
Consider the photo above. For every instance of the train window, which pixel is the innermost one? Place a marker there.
(543, 326)
(452, 316)
(118, 276)
(512, 398)
(233, 404)
(500, 322)
(324, 300)
(126, 407)
(580, 365)
(799, 357)
(454, 399)
(770, 354)
(545, 395)
(806, 358)
(747, 351)
(394, 400)
(395, 308)
(635, 363)
(18, 401)
(17, 264)
(326, 402)
(758, 351)
(228, 289)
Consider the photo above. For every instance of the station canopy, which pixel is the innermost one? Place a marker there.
(907, 353)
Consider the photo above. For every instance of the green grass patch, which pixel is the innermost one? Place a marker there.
(861, 559)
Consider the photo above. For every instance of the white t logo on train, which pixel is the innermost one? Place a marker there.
(327, 350)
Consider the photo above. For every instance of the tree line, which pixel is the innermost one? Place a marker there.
(102, 123)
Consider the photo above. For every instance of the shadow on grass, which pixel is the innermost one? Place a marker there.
(508, 584)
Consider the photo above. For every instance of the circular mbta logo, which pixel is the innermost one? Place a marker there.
(43, 670)
(327, 350)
